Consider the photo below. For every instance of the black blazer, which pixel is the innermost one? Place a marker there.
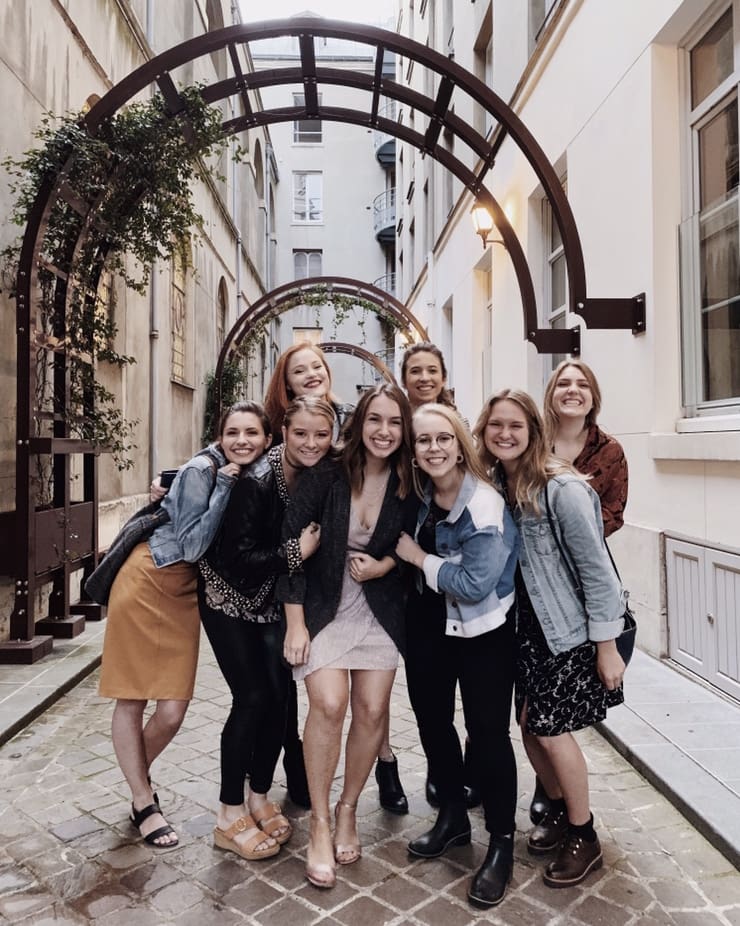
(325, 497)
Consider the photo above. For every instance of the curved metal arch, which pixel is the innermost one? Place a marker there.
(596, 312)
(283, 298)
(353, 350)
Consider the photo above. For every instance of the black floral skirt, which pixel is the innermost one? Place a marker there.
(563, 692)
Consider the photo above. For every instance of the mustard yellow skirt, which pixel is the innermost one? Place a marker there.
(152, 633)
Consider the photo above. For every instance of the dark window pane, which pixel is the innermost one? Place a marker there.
(718, 163)
(711, 59)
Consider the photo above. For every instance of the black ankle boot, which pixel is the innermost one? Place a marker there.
(390, 789)
(451, 829)
(540, 803)
(492, 878)
(295, 773)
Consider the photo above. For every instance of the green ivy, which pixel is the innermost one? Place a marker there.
(134, 179)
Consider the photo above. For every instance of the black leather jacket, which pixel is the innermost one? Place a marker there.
(242, 564)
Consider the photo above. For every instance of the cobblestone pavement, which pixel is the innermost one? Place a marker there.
(68, 854)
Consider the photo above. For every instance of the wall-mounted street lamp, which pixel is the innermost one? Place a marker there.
(483, 225)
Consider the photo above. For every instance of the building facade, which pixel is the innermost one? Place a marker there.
(336, 200)
(59, 58)
(636, 106)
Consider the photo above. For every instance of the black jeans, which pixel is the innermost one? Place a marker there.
(484, 666)
(249, 655)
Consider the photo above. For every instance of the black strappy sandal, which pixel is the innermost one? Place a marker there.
(139, 816)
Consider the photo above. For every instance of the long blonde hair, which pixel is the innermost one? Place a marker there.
(536, 465)
(470, 461)
(552, 419)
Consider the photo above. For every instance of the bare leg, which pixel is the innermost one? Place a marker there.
(370, 697)
(328, 697)
(539, 759)
(566, 759)
(128, 743)
(385, 753)
(161, 727)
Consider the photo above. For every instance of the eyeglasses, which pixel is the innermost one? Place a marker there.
(443, 441)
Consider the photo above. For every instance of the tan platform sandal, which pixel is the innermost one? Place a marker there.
(224, 839)
(348, 853)
(270, 818)
(320, 874)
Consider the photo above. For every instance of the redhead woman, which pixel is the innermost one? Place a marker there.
(571, 406)
(569, 671)
(301, 370)
(344, 613)
(460, 630)
(150, 651)
(245, 627)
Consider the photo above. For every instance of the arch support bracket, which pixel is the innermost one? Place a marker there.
(614, 313)
(556, 340)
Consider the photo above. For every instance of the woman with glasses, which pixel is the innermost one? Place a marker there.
(459, 630)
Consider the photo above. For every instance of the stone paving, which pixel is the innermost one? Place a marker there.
(69, 855)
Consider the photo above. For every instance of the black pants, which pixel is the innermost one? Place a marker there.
(249, 655)
(484, 667)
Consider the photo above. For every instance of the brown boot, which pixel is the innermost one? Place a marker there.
(549, 832)
(575, 860)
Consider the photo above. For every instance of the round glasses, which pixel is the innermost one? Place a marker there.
(443, 441)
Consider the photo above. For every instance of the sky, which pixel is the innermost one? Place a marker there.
(373, 12)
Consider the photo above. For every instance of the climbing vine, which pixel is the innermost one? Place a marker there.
(124, 202)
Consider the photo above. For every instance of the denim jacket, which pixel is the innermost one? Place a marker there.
(477, 543)
(568, 618)
(195, 503)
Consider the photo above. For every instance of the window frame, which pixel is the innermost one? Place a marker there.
(308, 253)
(307, 211)
(299, 99)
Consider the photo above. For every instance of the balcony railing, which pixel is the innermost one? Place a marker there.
(384, 215)
(387, 283)
(385, 144)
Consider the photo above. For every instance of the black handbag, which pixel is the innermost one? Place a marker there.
(626, 639)
(139, 527)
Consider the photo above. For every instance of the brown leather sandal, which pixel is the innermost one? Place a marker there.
(224, 839)
(270, 818)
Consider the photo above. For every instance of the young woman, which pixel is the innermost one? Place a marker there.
(301, 370)
(568, 669)
(151, 638)
(344, 613)
(424, 377)
(244, 625)
(571, 406)
(460, 630)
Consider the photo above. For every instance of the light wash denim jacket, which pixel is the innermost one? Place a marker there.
(195, 503)
(564, 619)
(477, 543)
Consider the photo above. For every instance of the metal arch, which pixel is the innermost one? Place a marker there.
(602, 313)
(353, 350)
(276, 301)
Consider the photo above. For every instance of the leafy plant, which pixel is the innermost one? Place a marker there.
(124, 201)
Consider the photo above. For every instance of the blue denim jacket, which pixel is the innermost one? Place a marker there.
(195, 503)
(567, 618)
(477, 543)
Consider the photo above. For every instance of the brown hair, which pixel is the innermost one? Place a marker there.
(470, 460)
(354, 453)
(536, 464)
(253, 408)
(311, 404)
(445, 396)
(278, 397)
(552, 420)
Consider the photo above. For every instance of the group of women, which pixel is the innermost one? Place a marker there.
(480, 558)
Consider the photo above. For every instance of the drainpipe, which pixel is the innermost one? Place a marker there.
(153, 317)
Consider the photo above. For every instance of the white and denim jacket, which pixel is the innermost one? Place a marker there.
(568, 618)
(196, 503)
(477, 544)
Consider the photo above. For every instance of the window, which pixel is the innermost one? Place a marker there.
(221, 313)
(556, 282)
(306, 131)
(306, 264)
(308, 196)
(312, 335)
(483, 66)
(710, 242)
(179, 315)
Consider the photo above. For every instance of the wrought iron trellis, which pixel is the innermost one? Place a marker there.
(75, 522)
